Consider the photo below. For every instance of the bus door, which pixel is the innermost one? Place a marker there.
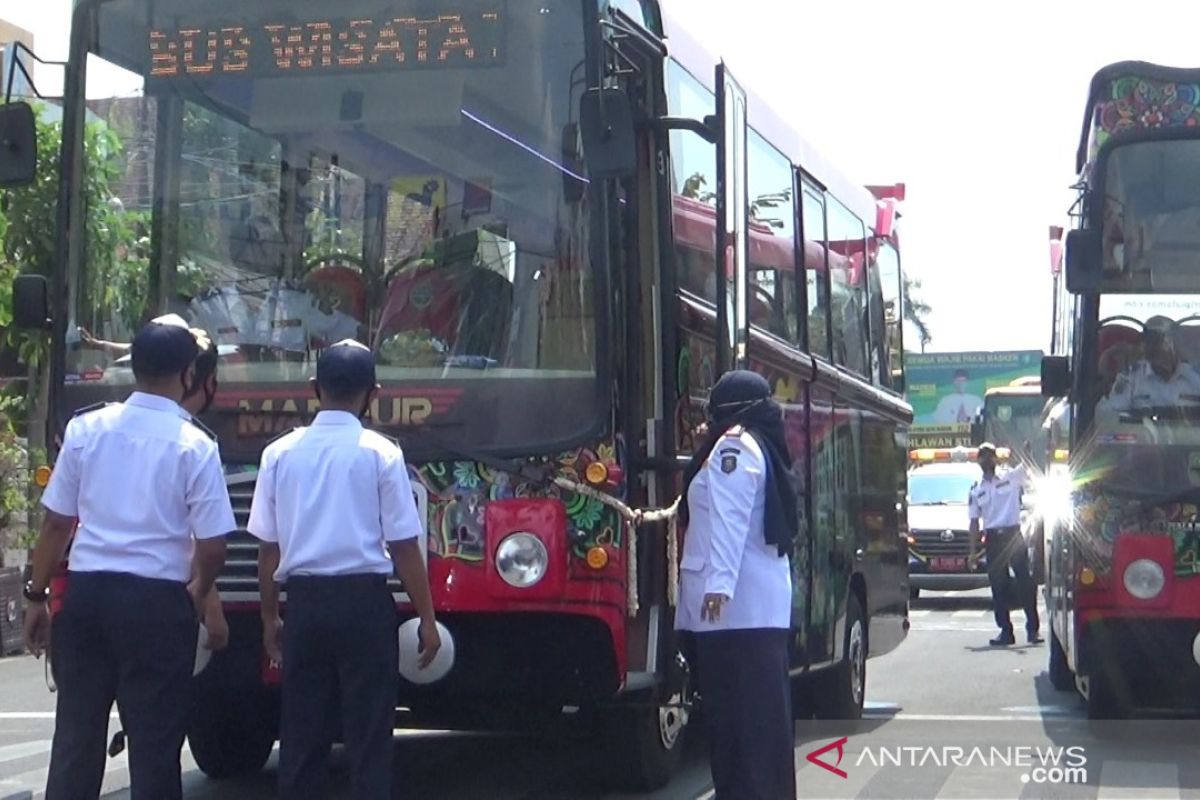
(825, 556)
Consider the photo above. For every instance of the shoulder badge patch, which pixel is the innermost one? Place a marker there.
(728, 462)
(207, 431)
(89, 409)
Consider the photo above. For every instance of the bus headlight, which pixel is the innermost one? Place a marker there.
(522, 560)
(1144, 579)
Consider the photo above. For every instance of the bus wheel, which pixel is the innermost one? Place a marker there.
(646, 742)
(842, 689)
(233, 740)
(1061, 676)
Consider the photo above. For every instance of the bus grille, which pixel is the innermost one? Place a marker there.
(239, 577)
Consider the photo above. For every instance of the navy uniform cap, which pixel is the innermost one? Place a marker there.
(165, 346)
(346, 367)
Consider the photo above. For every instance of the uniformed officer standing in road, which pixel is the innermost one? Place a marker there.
(332, 501)
(126, 631)
(996, 499)
(735, 586)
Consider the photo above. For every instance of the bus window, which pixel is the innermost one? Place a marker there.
(847, 252)
(816, 271)
(887, 264)
(693, 186)
(772, 300)
(878, 331)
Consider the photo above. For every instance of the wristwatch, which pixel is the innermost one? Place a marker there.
(35, 596)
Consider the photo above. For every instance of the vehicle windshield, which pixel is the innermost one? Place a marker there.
(1011, 420)
(926, 489)
(1146, 394)
(290, 174)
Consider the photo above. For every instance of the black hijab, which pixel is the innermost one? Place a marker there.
(744, 398)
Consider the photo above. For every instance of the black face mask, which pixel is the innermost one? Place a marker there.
(191, 390)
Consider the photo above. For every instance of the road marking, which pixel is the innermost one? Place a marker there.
(959, 717)
(37, 715)
(973, 614)
(1137, 780)
(13, 752)
(919, 612)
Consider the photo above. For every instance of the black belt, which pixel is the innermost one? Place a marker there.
(1008, 529)
(356, 579)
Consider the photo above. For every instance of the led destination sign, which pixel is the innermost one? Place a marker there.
(272, 49)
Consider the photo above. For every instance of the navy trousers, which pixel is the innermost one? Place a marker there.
(340, 664)
(747, 700)
(1005, 547)
(130, 640)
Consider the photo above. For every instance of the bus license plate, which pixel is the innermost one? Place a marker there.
(948, 564)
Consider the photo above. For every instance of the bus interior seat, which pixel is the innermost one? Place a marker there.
(1119, 346)
(1187, 343)
(346, 285)
(467, 309)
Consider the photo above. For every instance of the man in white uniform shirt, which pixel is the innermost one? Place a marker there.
(332, 501)
(126, 631)
(1157, 380)
(996, 500)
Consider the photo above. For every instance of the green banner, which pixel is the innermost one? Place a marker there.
(946, 390)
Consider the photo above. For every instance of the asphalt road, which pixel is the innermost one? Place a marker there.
(947, 717)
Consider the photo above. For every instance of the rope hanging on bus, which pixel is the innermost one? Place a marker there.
(632, 518)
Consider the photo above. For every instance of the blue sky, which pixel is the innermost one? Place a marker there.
(976, 107)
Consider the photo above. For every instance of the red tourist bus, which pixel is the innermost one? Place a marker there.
(1123, 589)
(533, 259)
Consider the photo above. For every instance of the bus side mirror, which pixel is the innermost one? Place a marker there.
(18, 145)
(606, 127)
(1056, 376)
(31, 303)
(1084, 254)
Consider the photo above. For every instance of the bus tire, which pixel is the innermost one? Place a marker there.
(645, 745)
(231, 740)
(1061, 676)
(842, 689)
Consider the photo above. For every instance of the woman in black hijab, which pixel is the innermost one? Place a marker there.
(735, 597)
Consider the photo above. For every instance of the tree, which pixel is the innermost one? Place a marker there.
(917, 311)
(29, 238)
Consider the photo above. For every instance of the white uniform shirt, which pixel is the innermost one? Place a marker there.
(998, 501)
(331, 495)
(226, 316)
(284, 317)
(1141, 387)
(725, 551)
(291, 318)
(143, 480)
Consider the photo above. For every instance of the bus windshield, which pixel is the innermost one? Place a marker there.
(290, 173)
(1147, 393)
